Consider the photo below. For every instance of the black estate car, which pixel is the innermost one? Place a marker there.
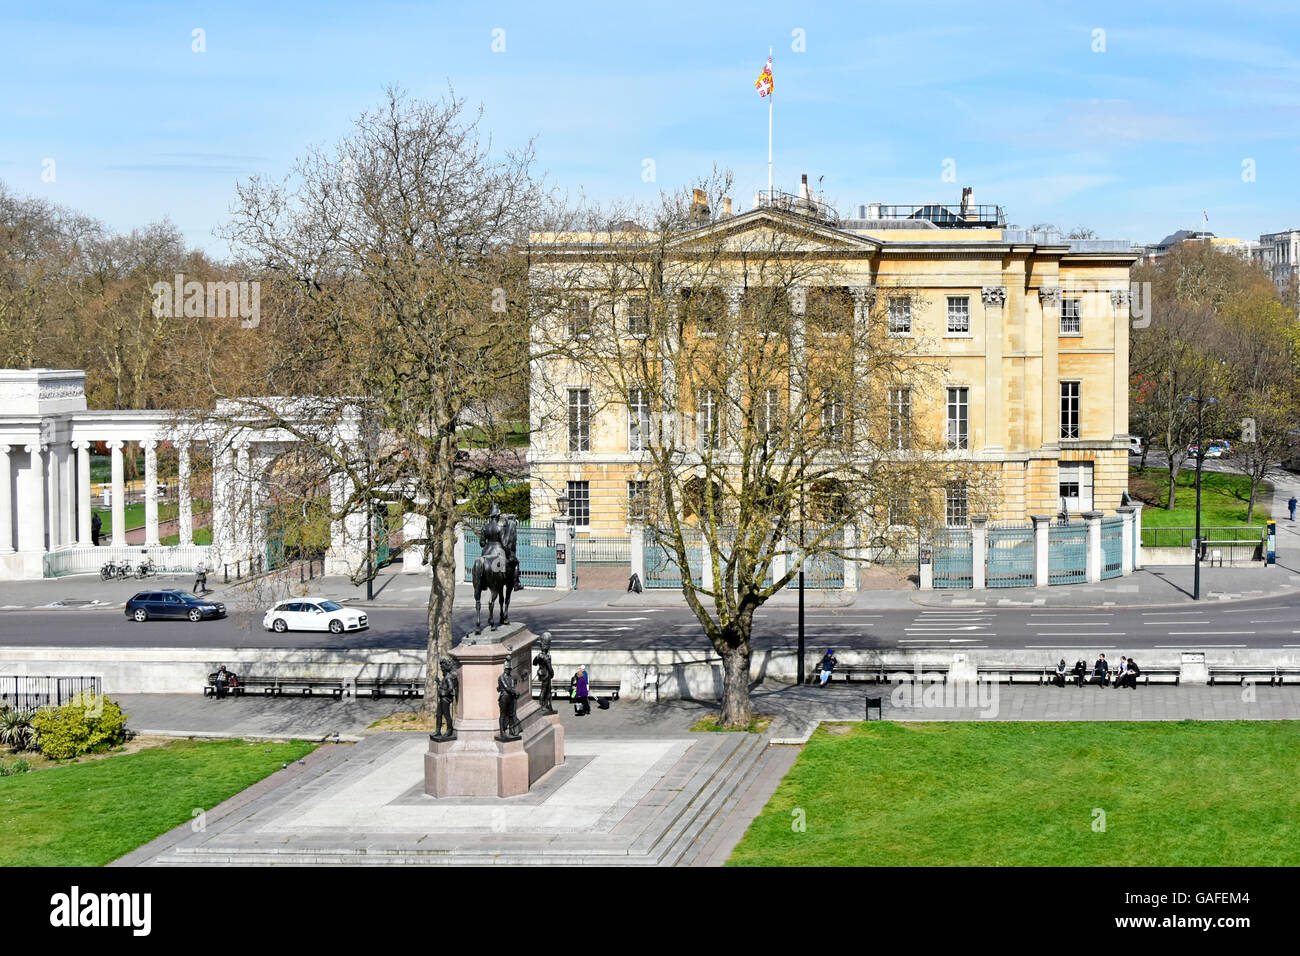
(174, 604)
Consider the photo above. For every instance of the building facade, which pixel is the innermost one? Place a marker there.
(1032, 329)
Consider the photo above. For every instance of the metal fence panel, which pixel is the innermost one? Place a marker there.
(167, 559)
(604, 549)
(31, 693)
(1010, 559)
(823, 570)
(953, 559)
(535, 549)
(1067, 554)
(1112, 547)
(661, 567)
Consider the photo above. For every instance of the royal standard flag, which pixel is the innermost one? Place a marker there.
(764, 82)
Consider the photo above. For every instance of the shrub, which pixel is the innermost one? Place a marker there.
(81, 726)
(18, 766)
(16, 731)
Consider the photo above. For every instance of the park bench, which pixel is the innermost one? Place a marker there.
(388, 687)
(598, 689)
(276, 686)
(872, 673)
(1007, 673)
(1239, 673)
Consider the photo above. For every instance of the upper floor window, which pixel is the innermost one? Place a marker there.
(579, 419)
(900, 315)
(769, 416)
(638, 419)
(959, 314)
(833, 419)
(900, 418)
(1071, 317)
(638, 315)
(708, 421)
(959, 418)
(579, 318)
(1069, 409)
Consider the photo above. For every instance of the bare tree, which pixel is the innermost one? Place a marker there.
(394, 265)
(768, 398)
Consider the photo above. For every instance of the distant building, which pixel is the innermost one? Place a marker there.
(1279, 253)
(1247, 249)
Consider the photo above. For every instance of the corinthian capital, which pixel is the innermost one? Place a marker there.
(994, 295)
(1119, 297)
(1050, 296)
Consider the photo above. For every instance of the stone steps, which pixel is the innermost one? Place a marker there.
(670, 824)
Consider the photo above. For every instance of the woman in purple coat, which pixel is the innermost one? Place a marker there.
(581, 705)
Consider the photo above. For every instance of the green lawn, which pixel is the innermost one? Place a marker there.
(1190, 793)
(133, 514)
(1223, 499)
(90, 813)
(202, 535)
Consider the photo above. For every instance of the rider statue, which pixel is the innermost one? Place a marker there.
(493, 532)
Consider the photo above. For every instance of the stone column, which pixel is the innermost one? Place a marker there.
(1121, 309)
(1051, 387)
(118, 492)
(414, 526)
(241, 536)
(995, 299)
(185, 512)
(563, 574)
(1137, 537)
(850, 558)
(979, 547)
(1093, 564)
(637, 547)
(706, 562)
(1042, 560)
(83, 493)
(150, 492)
(798, 297)
(6, 502)
(459, 551)
(925, 573)
(36, 540)
(1126, 541)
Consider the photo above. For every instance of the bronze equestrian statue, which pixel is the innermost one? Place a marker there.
(496, 569)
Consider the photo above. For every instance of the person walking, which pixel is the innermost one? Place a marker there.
(1291, 507)
(97, 527)
(200, 578)
(581, 702)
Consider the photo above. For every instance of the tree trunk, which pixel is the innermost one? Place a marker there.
(1173, 485)
(1250, 508)
(736, 708)
(442, 592)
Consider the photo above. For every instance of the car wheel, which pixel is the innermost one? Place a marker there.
(196, 615)
(336, 627)
(141, 614)
(279, 626)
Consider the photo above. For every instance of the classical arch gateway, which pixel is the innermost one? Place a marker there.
(46, 438)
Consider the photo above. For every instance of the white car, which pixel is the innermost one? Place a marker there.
(314, 615)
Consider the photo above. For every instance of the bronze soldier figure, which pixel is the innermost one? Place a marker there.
(545, 671)
(507, 697)
(447, 687)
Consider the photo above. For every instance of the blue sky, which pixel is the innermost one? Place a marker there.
(1134, 141)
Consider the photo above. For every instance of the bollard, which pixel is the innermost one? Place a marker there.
(225, 573)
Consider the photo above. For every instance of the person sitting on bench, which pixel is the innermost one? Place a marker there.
(1100, 670)
(1131, 674)
(222, 679)
(827, 666)
(1120, 670)
(1080, 672)
(1061, 671)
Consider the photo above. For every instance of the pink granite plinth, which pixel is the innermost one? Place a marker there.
(476, 764)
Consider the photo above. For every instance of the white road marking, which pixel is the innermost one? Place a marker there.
(640, 610)
(1210, 633)
(939, 640)
(1071, 647)
(578, 620)
(948, 627)
(1196, 646)
(1170, 613)
(1277, 621)
(1102, 634)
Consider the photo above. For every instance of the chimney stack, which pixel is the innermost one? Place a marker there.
(726, 207)
(967, 201)
(699, 206)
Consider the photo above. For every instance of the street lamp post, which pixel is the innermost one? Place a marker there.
(1201, 401)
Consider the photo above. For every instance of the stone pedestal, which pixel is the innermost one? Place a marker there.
(476, 764)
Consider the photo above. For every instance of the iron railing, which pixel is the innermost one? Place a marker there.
(1183, 537)
(31, 693)
(167, 558)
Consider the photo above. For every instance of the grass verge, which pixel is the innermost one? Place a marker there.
(1188, 793)
(90, 813)
(758, 724)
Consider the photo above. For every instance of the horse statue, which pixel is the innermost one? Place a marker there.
(496, 569)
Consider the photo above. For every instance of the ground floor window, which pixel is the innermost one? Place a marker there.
(580, 503)
(638, 498)
(1074, 486)
(955, 504)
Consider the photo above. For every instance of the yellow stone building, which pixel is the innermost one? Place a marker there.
(1033, 330)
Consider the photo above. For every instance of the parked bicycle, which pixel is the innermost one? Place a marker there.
(108, 571)
(146, 569)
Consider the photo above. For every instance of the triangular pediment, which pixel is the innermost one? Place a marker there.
(768, 229)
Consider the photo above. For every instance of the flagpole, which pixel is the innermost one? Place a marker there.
(770, 95)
